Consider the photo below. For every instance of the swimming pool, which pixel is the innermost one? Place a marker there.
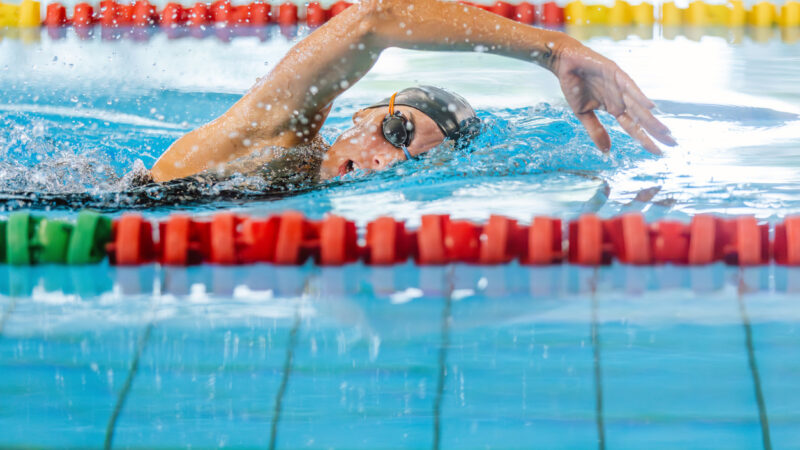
(406, 356)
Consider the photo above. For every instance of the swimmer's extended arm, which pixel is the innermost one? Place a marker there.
(288, 106)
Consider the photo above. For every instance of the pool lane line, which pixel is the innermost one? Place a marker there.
(12, 305)
(287, 370)
(442, 362)
(134, 369)
(598, 373)
(751, 358)
(123, 393)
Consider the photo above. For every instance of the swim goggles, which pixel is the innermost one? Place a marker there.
(397, 129)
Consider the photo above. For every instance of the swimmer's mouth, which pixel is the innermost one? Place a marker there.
(346, 167)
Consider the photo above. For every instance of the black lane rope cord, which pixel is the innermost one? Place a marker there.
(751, 357)
(598, 374)
(442, 362)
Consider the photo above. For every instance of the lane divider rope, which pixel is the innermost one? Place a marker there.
(290, 238)
(142, 13)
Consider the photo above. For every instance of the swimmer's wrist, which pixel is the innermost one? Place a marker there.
(550, 54)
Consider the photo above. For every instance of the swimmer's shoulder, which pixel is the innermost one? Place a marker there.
(281, 166)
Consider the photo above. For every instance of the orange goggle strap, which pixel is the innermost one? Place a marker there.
(391, 103)
(391, 113)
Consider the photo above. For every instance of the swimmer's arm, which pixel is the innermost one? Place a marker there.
(341, 52)
(588, 80)
(287, 107)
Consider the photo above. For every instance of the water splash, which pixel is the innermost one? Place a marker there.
(44, 157)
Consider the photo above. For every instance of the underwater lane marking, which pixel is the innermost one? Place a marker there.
(598, 375)
(751, 357)
(287, 369)
(6, 314)
(123, 393)
(437, 403)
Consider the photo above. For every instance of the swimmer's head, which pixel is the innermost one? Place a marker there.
(407, 124)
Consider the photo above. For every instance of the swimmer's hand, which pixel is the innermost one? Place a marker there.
(592, 82)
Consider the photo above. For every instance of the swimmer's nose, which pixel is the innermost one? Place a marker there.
(380, 161)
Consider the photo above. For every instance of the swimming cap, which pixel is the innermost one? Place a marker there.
(451, 112)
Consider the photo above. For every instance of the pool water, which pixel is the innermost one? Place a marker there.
(75, 117)
(504, 357)
(359, 357)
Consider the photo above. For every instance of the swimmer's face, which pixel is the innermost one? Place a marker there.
(363, 146)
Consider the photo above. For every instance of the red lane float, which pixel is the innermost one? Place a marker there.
(173, 15)
(291, 239)
(786, 246)
(461, 242)
(338, 242)
(109, 13)
(125, 14)
(430, 240)
(586, 241)
(630, 239)
(239, 15)
(143, 13)
(544, 242)
(83, 15)
(199, 15)
(287, 14)
(338, 7)
(260, 13)
(132, 241)
(220, 10)
(746, 242)
(525, 13)
(184, 241)
(316, 15)
(503, 9)
(552, 14)
(387, 242)
(56, 15)
(670, 241)
(297, 239)
(502, 241)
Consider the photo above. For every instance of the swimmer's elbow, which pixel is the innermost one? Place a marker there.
(368, 16)
(374, 14)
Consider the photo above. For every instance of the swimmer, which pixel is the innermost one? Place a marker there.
(283, 112)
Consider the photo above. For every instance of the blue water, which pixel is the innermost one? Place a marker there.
(358, 357)
(74, 118)
(387, 357)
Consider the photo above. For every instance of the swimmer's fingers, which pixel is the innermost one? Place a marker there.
(646, 119)
(596, 130)
(633, 129)
(629, 86)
